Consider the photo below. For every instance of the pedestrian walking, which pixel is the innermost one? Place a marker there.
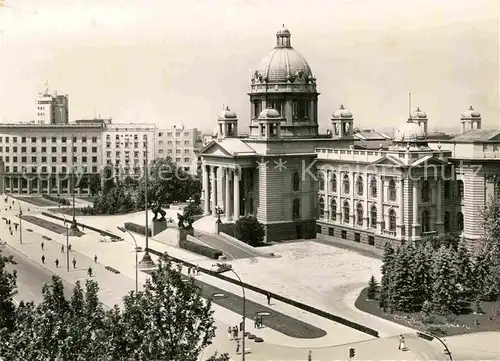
(95, 259)
(43, 245)
(236, 331)
(401, 343)
(62, 248)
(230, 333)
(309, 357)
(256, 322)
(197, 270)
(74, 263)
(43, 259)
(189, 271)
(57, 263)
(69, 248)
(89, 271)
(268, 298)
(237, 346)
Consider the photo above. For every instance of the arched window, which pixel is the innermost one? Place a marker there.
(425, 221)
(333, 210)
(447, 222)
(460, 221)
(392, 190)
(296, 181)
(359, 214)
(373, 217)
(425, 191)
(373, 187)
(460, 189)
(346, 212)
(321, 208)
(321, 181)
(333, 183)
(359, 186)
(346, 183)
(296, 208)
(392, 220)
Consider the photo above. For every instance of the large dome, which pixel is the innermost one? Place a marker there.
(283, 63)
(410, 132)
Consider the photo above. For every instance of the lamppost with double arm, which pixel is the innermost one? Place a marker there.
(124, 230)
(67, 240)
(224, 267)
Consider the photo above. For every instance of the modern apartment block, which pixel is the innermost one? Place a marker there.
(180, 144)
(52, 108)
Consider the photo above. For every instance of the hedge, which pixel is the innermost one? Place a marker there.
(277, 297)
(136, 228)
(59, 200)
(200, 249)
(104, 233)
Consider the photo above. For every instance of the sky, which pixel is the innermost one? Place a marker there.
(169, 61)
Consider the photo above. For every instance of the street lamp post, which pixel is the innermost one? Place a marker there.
(146, 260)
(67, 240)
(224, 267)
(20, 223)
(74, 226)
(219, 211)
(124, 230)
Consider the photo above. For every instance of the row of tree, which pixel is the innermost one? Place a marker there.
(167, 183)
(167, 320)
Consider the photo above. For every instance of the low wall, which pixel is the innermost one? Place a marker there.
(275, 296)
(105, 233)
(241, 243)
(227, 228)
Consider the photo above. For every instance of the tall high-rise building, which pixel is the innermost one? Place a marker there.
(52, 108)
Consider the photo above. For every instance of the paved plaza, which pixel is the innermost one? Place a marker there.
(320, 275)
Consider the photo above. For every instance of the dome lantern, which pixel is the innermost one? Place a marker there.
(269, 123)
(471, 117)
(227, 124)
(283, 37)
(342, 122)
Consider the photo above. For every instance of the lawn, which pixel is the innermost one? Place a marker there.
(438, 325)
(39, 201)
(45, 224)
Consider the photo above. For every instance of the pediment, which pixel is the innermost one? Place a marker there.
(215, 149)
(427, 161)
(387, 161)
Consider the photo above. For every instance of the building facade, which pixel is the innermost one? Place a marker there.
(52, 108)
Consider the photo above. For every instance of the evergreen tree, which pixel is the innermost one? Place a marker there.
(422, 274)
(446, 292)
(465, 279)
(480, 271)
(372, 288)
(387, 260)
(403, 289)
(8, 286)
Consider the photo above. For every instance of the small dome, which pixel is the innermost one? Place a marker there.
(283, 30)
(341, 113)
(471, 113)
(410, 132)
(227, 114)
(418, 114)
(269, 113)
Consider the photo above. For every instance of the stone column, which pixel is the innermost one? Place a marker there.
(20, 185)
(310, 109)
(415, 226)
(236, 184)
(400, 224)
(228, 195)
(380, 210)
(327, 208)
(439, 216)
(339, 197)
(213, 195)
(206, 193)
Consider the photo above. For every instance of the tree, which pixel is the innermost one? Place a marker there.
(249, 230)
(192, 210)
(372, 288)
(422, 274)
(446, 291)
(8, 285)
(403, 288)
(463, 265)
(108, 176)
(387, 260)
(480, 271)
(168, 320)
(118, 199)
(94, 184)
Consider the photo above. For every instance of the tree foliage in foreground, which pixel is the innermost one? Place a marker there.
(167, 320)
(249, 230)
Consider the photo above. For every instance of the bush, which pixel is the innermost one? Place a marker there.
(372, 288)
(249, 230)
(136, 228)
(59, 200)
(200, 249)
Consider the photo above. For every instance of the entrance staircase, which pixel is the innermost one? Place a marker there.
(206, 224)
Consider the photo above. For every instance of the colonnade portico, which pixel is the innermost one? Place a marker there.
(222, 179)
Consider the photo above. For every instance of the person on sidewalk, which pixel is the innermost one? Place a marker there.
(57, 263)
(69, 248)
(95, 259)
(43, 245)
(189, 271)
(43, 259)
(268, 299)
(237, 346)
(74, 263)
(62, 248)
(89, 271)
(236, 331)
(230, 333)
(309, 356)
(401, 343)
(197, 270)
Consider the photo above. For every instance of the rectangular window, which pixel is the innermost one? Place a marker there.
(84, 160)
(33, 159)
(318, 228)
(23, 159)
(23, 139)
(33, 149)
(371, 240)
(54, 159)
(44, 159)
(33, 139)
(64, 159)
(64, 149)
(44, 139)
(94, 159)
(331, 231)
(64, 139)
(357, 237)
(54, 149)
(94, 139)
(54, 140)
(84, 150)
(44, 149)
(94, 149)
(84, 139)
(343, 235)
